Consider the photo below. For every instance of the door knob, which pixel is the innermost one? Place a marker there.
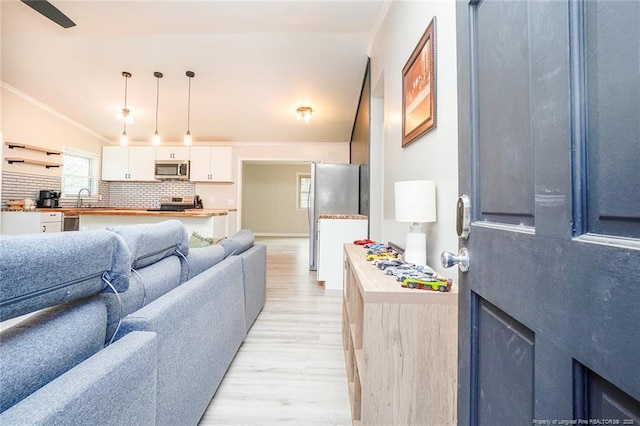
(462, 259)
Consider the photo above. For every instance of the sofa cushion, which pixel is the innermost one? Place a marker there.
(238, 243)
(150, 243)
(200, 326)
(116, 386)
(42, 270)
(44, 346)
(201, 259)
(146, 285)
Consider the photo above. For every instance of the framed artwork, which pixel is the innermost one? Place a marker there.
(419, 88)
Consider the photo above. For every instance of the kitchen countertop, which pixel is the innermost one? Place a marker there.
(342, 216)
(114, 211)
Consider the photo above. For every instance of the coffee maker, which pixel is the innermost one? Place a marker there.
(48, 199)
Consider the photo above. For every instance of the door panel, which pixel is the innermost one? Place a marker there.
(504, 368)
(549, 109)
(598, 399)
(504, 133)
(612, 72)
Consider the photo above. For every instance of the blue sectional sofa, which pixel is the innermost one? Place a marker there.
(128, 325)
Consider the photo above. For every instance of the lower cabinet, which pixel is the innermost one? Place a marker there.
(14, 223)
(401, 348)
(333, 232)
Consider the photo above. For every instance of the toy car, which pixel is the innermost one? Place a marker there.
(383, 255)
(363, 242)
(433, 283)
(418, 272)
(415, 273)
(388, 263)
(398, 269)
(376, 248)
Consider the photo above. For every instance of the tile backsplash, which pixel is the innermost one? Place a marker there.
(19, 186)
(147, 194)
(114, 194)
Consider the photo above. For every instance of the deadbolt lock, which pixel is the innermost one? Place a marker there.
(463, 217)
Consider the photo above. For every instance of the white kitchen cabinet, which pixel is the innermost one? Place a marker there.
(211, 164)
(333, 232)
(128, 163)
(15, 223)
(173, 153)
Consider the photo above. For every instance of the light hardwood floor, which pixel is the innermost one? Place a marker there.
(290, 369)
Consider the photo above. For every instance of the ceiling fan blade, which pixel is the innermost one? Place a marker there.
(50, 11)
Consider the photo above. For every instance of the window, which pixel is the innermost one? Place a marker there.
(79, 171)
(304, 184)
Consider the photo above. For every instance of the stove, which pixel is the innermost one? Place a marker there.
(178, 204)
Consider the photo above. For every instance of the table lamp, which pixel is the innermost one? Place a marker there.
(415, 203)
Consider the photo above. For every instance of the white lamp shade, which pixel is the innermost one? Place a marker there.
(415, 201)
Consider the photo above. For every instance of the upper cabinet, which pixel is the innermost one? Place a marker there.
(172, 153)
(137, 163)
(211, 164)
(128, 163)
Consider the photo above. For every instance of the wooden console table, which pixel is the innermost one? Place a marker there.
(401, 348)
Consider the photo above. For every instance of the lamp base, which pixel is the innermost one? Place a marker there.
(416, 248)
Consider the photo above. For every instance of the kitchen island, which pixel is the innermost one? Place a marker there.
(206, 222)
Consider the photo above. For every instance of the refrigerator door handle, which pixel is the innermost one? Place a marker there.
(311, 216)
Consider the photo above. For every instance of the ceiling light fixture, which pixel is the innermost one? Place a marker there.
(304, 113)
(124, 140)
(155, 140)
(187, 137)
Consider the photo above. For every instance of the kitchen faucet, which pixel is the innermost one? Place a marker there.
(79, 203)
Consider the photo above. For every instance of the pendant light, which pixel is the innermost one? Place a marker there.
(124, 139)
(155, 140)
(187, 136)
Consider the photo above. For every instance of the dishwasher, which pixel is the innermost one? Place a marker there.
(71, 223)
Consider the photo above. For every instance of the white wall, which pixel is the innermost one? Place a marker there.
(434, 156)
(227, 195)
(26, 120)
(270, 199)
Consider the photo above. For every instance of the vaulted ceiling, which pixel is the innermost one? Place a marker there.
(255, 62)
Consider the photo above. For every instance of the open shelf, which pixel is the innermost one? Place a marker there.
(47, 151)
(46, 164)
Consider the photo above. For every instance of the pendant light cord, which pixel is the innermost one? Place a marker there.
(157, 100)
(125, 91)
(123, 138)
(189, 108)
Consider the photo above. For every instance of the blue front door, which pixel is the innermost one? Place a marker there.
(549, 146)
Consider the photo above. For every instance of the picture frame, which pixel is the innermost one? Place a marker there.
(419, 88)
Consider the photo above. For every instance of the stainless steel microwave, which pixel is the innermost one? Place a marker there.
(172, 169)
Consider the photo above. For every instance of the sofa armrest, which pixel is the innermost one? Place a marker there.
(116, 386)
(254, 271)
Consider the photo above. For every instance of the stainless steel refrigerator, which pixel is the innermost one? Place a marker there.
(335, 188)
